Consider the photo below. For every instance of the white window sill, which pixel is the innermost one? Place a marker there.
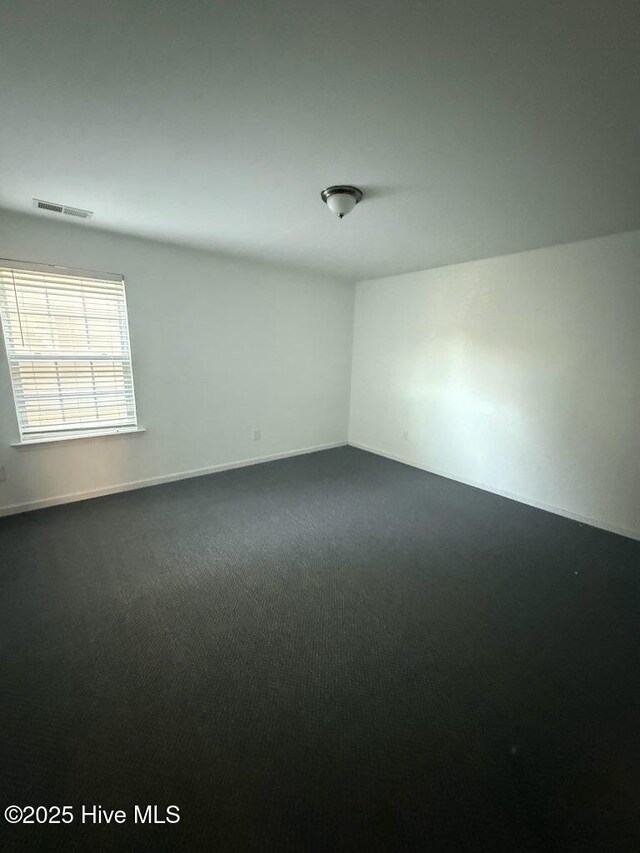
(78, 436)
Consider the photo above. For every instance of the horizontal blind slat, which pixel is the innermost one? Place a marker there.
(67, 341)
(57, 279)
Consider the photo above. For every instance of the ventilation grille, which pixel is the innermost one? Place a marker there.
(52, 207)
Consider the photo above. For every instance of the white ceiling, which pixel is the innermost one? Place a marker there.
(475, 128)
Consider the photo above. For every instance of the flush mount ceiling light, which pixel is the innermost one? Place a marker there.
(341, 199)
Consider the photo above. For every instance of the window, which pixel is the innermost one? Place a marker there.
(67, 340)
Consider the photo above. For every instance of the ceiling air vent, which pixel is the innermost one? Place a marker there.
(52, 207)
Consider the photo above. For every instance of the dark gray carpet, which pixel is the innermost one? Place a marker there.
(329, 653)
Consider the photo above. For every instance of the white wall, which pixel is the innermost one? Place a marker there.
(518, 373)
(219, 346)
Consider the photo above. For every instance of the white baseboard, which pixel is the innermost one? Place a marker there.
(13, 509)
(583, 519)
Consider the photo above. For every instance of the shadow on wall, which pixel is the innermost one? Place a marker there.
(68, 468)
(492, 412)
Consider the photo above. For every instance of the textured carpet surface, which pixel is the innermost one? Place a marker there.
(331, 652)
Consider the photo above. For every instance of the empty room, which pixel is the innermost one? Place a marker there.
(320, 426)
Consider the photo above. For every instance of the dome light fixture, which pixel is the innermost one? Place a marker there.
(341, 199)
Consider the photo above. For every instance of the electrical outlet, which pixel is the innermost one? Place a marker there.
(405, 435)
(3, 473)
(256, 435)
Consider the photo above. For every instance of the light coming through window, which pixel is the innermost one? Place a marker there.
(67, 339)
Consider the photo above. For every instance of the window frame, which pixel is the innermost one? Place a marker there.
(51, 435)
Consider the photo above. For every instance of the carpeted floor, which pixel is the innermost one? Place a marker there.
(333, 652)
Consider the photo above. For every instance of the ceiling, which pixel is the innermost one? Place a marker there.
(474, 128)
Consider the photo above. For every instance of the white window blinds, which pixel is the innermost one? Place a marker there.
(67, 340)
